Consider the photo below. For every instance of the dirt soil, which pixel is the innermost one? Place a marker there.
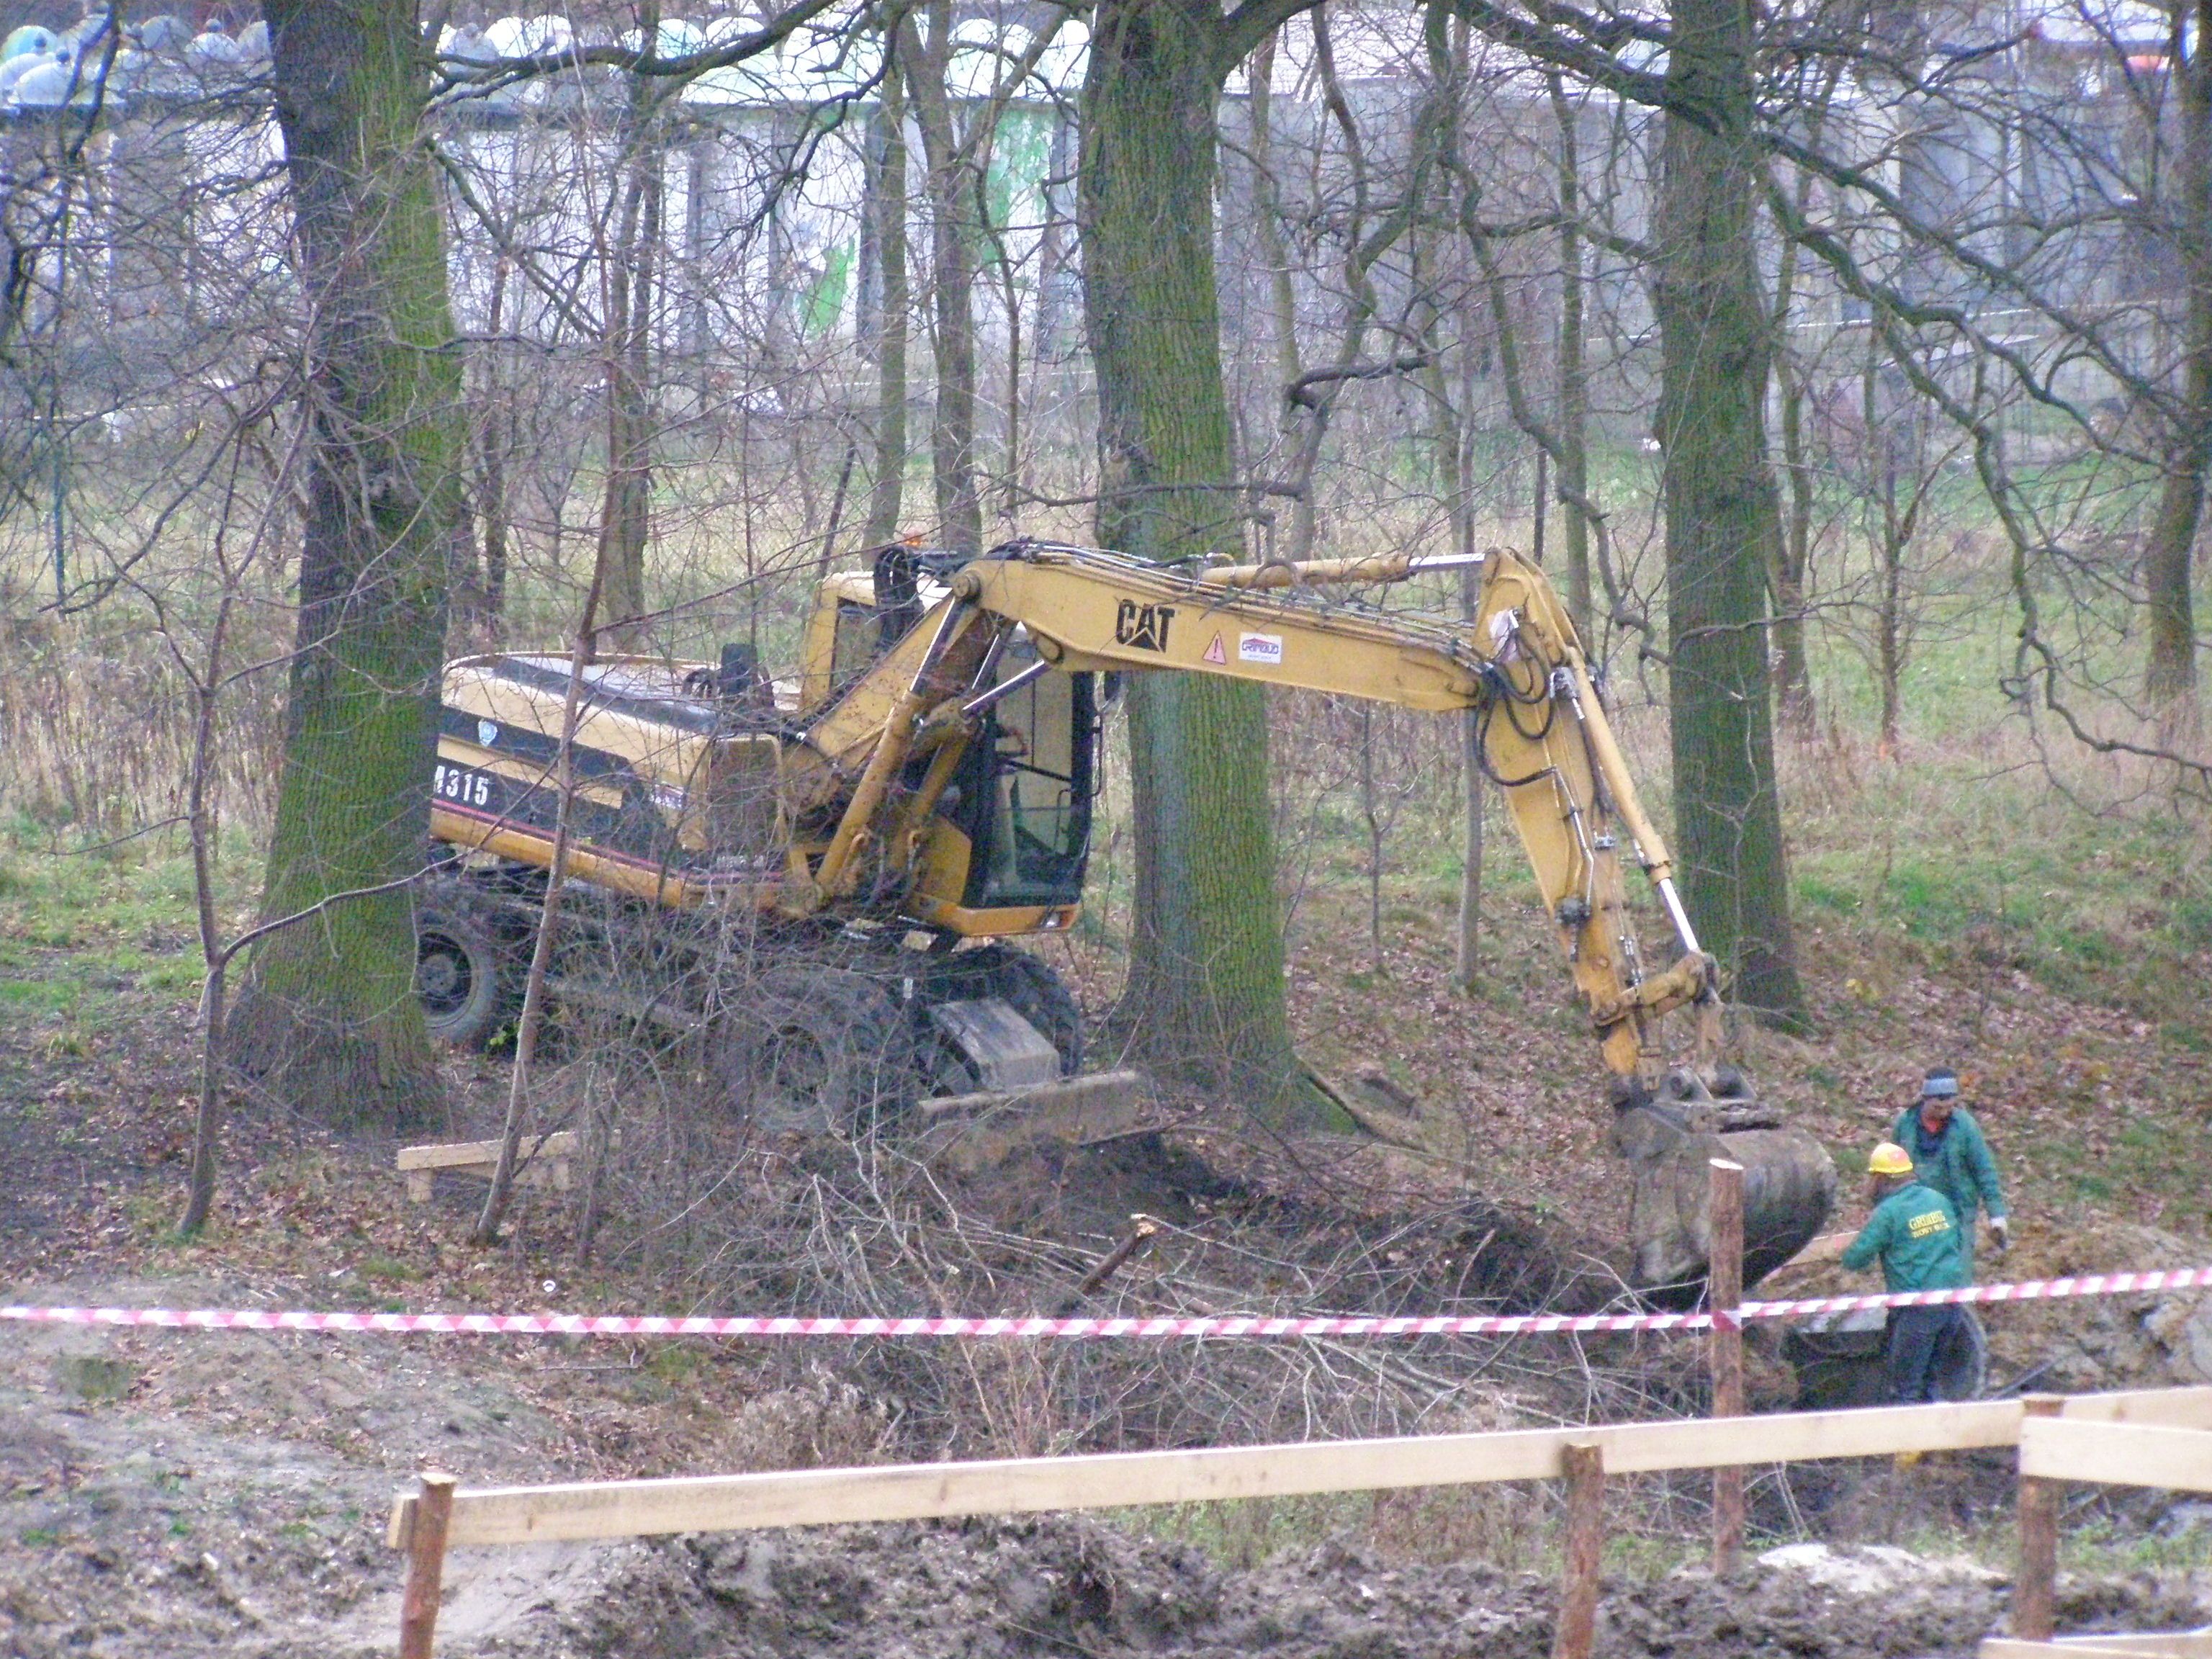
(1072, 1585)
(185, 1494)
(167, 1495)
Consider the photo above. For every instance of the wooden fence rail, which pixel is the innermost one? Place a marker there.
(802, 1497)
(2151, 1437)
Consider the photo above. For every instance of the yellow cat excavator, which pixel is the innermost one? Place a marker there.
(822, 879)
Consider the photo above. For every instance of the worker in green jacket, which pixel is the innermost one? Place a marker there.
(1949, 1154)
(1915, 1233)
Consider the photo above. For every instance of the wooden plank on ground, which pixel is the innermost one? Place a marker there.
(460, 1154)
(2170, 1645)
(2117, 1453)
(918, 1491)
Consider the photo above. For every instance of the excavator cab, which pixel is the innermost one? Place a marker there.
(1025, 789)
(1009, 851)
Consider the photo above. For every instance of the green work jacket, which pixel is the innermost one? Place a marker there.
(1916, 1234)
(1960, 1168)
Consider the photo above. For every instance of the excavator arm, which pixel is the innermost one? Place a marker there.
(1518, 665)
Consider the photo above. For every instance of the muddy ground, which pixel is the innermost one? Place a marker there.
(170, 1495)
(184, 1495)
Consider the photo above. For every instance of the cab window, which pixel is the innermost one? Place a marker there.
(1030, 842)
(853, 645)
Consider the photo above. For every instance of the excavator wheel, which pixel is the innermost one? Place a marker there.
(1023, 983)
(467, 975)
(814, 1050)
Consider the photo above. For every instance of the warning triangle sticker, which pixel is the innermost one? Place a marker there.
(1214, 652)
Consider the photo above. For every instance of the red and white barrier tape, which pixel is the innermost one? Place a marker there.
(250, 1319)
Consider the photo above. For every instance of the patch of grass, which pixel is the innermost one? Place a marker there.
(1827, 896)
(39, 996)
(387, 1270)
(676, 1363)
(2102, 1545)
(2002, 874)
(38, 1537)
(149, 1213)
(81, 931)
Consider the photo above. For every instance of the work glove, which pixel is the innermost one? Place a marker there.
(2001, 1233)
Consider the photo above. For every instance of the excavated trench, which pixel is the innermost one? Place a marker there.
(984, 1589)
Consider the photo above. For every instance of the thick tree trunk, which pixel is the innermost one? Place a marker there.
(1205, 998)
(2170, 555)
(328, 1019)
(1722, 513)
(887, 495)
(954, 238)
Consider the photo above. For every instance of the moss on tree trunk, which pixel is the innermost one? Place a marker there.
(328, 1018)
(1723, 514)
(1206, 997)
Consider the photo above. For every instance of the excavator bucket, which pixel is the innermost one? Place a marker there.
(1670, 1137)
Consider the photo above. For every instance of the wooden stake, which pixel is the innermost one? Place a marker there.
(2034, 1586)
(1584, 1465)
(1724, 1294)
(426, 1566)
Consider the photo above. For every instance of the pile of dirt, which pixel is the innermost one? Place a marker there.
(170, 1495)
(2153, 1340)
(985, 1589)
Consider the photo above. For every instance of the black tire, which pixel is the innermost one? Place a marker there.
(1962, 1361)
(1026, 985)
(814, 1050)
(466, 975)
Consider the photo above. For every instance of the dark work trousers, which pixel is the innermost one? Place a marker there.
(1916, 1336)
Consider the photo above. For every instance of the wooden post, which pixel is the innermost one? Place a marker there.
(1584, 1467)
(2033, 1586)
(426, 1566)
(1724, 1294)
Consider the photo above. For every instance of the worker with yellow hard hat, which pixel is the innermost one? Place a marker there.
(1915, 1233)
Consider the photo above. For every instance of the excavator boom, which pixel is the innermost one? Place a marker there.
(1518, 665)
(1544, 738)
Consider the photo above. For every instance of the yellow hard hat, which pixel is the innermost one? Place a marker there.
(1890, 1159)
